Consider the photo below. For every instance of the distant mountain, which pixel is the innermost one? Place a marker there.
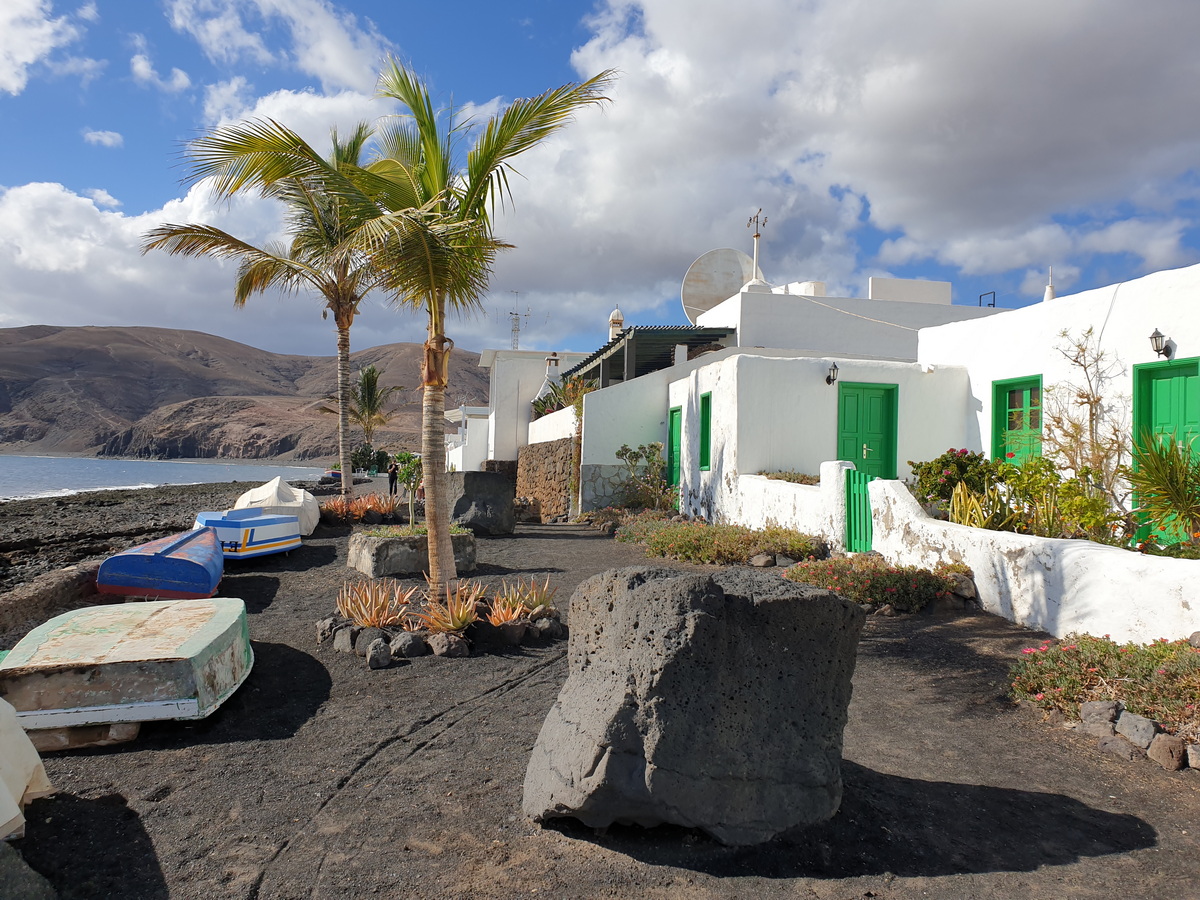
(169, 394)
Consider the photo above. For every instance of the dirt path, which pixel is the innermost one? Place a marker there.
(323, 779)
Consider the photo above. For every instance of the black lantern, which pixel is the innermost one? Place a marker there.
(1158, 342)
(832, 376)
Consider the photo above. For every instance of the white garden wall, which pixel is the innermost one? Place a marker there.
(1058, 586)
(553, 427)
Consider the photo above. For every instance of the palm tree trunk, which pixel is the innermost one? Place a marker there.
(442, 570)
(343, 347)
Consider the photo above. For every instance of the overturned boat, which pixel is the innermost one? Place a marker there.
(185, 566)
(92, 675)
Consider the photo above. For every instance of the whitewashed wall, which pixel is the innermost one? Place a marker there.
(1024, 342)
(553, 427)
(1058, 586)
(811, 509)
(833, 325)
(470, 449)
(516, 377)
(777, 414)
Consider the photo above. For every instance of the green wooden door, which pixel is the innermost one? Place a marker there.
(674, 441)
(1017, 419)
(1167, 402)
(867, 427)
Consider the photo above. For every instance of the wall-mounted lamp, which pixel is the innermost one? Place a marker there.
(832, 376)
(1160, 343)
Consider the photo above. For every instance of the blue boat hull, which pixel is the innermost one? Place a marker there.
(185, 566)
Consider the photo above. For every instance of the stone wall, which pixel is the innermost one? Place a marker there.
(544, 473)
(601, 486)
(31, 603)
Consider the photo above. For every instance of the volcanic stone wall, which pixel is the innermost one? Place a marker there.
(544, 473)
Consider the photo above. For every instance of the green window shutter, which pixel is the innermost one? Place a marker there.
(705, 431)
(1017, 419)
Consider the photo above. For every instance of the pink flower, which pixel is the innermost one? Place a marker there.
(1039, 696)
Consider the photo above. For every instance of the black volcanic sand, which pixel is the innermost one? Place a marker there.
(320, 778)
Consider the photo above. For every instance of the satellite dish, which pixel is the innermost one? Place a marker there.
(713, 278)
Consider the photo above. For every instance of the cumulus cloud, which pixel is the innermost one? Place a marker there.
(988, 138)
(103, 138)
(28, 34)
(323, 40)
(101, 197)
(144, 73)
(71, 260)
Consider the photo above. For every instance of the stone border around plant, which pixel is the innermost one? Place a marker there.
(1125, 734)
(383, 647)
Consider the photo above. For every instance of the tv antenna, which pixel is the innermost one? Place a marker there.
(515, 318)
(758, 226)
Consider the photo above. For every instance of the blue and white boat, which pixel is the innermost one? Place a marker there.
(244, 533)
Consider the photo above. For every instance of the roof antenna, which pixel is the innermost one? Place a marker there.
(515, 317)
(754, 220)
(1049, 295)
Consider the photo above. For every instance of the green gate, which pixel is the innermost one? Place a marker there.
(858, 511)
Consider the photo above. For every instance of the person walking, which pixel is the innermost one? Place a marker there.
(393, 473)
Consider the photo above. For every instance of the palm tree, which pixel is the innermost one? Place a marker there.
(329, 202)
(420, 149)
(368, 402)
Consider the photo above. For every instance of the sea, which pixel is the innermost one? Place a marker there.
(24, 477)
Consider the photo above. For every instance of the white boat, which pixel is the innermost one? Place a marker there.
(244, 533)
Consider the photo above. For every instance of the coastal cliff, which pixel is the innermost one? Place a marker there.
(160, 393)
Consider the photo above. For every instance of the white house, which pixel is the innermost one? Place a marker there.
(517, 376)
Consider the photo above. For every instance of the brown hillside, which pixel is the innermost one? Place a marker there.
(165, 393)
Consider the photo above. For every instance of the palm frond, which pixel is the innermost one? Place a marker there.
(524, 124)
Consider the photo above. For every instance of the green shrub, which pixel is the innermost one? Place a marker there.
(871, 579)
(637, 527)
(935, 480)
(1160, 680)
(1165, 476)
(723, 545)
(646, 485)
(386, 531)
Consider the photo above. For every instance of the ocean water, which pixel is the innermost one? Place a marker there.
(23, 477)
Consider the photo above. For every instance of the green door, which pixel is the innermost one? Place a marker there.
(1166, 401)
(867, 427)
(1017, 419)
(674, 439)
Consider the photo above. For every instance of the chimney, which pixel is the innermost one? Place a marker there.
(616, 323)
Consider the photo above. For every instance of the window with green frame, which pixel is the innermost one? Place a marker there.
(705, 432)
(1017, 419)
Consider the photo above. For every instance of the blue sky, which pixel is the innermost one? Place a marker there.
(977, 143)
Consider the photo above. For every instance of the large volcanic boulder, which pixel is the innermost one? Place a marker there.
(482, 501)
(708, 701)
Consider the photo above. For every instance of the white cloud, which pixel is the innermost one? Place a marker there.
(144, 73)
(66, 260)
(103, 138)
(218, 28)
(101, 197)
(28, 34)
(325, 42)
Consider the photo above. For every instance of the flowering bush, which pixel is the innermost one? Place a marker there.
(871, 579)
(1160, 680)
(935, 480)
